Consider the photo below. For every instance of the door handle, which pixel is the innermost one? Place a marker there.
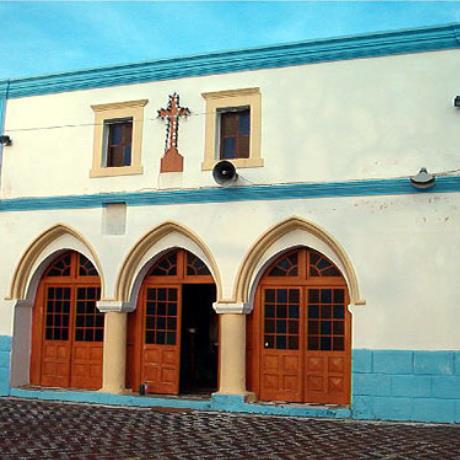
(266, 344)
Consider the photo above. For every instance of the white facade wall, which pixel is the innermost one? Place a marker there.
(357, 119)
(361, 119)
(404, 249)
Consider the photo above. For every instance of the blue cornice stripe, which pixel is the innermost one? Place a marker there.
(4, 87)
(220, 195)
(313, 51)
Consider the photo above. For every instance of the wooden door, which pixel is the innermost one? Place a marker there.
(56, 345)
(154, 328)
(327, 354)
(299, 342)
(88, 336)
(160, 368)
(67, 336)
(281, 363)
(133, 349)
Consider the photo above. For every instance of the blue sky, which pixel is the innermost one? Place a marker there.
(48, 37)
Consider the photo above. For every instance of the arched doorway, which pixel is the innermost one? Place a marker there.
(173, 333)
(68, 329)
(299, 333)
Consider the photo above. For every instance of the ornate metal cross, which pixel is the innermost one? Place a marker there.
(172, 160)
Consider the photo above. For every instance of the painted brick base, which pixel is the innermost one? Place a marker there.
(401, 385)
(5, 352)
(218, 402)
(406, 385)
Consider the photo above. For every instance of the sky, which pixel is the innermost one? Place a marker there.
(49, 37)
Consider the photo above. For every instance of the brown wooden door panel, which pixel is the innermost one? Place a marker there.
(67, 328)
(132, 378)
(281, 362)
(37, 337)
(281, 376)
(56, 343)
(55, 364)
(160, 368)
(250, 359)
(326, 377)
(305, 357)
(87, 340)
(327, 358)
(161, 371)
(154, 329)
(86, 369)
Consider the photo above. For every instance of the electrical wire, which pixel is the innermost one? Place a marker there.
(84, 125)
(191, 114)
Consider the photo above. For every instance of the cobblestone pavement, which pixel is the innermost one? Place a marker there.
(50, 430)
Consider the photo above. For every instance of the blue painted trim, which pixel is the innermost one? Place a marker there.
(4, 88)
(98, 397)
(404, 385)
(295, 191)
(218, 402)
(5, 353)
(236, 403)
(416, 385)
(307, 52)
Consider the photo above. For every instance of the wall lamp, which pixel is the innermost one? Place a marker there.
(457, 101)
(423, 179)
(5, 140)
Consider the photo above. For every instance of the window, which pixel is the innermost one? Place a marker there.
(233, 128)
(234, 133)
(118, 138)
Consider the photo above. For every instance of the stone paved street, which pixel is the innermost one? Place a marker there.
(49, 430)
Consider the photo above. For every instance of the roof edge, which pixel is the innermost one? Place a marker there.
(433, 38)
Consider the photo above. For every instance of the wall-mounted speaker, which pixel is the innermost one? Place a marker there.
(224, 173)
(423, 179)
(5, 140)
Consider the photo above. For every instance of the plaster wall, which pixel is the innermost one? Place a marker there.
(404, 249)
(363, 118)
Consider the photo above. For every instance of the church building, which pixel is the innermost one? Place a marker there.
(273, 230)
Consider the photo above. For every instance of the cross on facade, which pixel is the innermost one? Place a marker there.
(172, 160)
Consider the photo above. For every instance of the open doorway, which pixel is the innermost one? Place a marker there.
(200, 339)
(172, 342)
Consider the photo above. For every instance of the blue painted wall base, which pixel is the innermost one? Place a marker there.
(422, 386)
(401, 385)
(5, 352)
(218, 402)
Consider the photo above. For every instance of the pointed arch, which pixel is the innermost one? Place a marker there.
(131, 264)
(247, 269)
(19, 284)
